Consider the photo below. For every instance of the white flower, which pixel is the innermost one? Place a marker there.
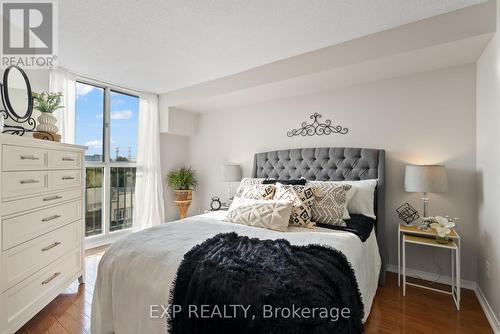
(442, 226)
(440, 230)
(444, 222)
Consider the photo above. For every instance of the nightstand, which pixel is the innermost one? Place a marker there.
(427, 238)
(222, 208)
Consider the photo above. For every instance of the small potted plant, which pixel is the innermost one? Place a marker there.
(183, 182)
(46, 103)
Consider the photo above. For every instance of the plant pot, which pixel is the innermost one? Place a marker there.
(183, 195)
(47, 123)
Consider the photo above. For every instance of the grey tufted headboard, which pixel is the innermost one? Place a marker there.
(331, 164)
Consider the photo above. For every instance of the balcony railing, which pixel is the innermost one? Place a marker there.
(93, 200)
(121, 199)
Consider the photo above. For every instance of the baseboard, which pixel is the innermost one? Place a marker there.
(466, 284)
(443, 279)
(488, 311)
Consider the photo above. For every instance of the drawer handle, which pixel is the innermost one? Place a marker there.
(28, 181)
(55, 244)
(68, 159)
(46, 199)
(48, 280)
(50, 218)
(29, 157)
(68, 178)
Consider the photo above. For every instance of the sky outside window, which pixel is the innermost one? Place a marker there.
(124, 110)
(123, 127)
(89, 121)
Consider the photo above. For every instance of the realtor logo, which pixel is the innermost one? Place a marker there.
(29, 33)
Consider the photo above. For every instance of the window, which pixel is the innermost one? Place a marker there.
(123, 127)
(106, 122)
(89, 120)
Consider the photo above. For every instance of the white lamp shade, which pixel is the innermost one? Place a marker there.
(231, 173)
(426, 179)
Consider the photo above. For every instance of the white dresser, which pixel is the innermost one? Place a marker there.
(42, 225)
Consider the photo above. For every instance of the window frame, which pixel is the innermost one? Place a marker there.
(107, 236)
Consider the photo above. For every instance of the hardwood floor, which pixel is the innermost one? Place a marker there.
(423, 311)
(420, 311)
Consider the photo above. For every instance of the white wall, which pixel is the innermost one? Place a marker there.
(176, 121)
(425, 118)
(39, 80)
(488, 163)
(174, 154)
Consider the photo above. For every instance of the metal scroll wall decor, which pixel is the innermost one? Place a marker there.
(317, 128)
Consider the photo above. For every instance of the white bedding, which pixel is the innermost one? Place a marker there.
(138, 271)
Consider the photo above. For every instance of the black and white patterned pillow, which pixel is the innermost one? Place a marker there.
(302, 198)
(245, 182)
(330, 203)
(258, 191)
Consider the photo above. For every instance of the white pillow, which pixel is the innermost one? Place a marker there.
(270, 214)
(349, 194)
(245, 182)
(364, 199)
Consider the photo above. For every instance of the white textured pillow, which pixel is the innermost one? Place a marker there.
(320, 185)
(245, 182)
(364, 199)
(270, 214)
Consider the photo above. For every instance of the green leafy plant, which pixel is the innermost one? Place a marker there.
(47, 102)
(182, 179)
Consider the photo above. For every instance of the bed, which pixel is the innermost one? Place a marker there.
(135, 275)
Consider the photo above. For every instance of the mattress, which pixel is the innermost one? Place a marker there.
(135, 275)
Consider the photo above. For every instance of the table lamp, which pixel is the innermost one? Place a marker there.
(426, 179)
(231, 173)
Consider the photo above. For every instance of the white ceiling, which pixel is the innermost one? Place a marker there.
(160, 46)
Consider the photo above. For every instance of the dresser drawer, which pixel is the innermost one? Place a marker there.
(23, 158)
(21, 261)
(19, 229)
(41, 285)
(64, 160)
(65, 179)
(18, 184)
(39, 201)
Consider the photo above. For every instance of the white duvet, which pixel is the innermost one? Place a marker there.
(137, 271)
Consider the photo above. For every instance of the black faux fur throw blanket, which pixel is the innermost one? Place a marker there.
(235, 284)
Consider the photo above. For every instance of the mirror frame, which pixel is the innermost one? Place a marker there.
(6, 100)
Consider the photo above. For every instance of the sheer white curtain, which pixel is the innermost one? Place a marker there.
(62, 81)
(148, 207)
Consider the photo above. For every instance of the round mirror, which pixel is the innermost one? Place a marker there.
(16, 93)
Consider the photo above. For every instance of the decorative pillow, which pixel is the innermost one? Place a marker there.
(247, 181)
(364, 199)
(330, 203)
(323, 186)
(273, 214)
(258, 191)
(299, 182)
(302, 198)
